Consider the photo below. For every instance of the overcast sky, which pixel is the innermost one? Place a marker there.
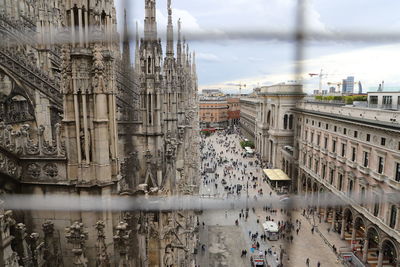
(221, 62)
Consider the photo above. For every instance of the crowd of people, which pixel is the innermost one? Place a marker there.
(224, 164)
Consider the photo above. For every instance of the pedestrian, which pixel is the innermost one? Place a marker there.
(312, 230)
(318, 264)
(308, 262)
(249, 233)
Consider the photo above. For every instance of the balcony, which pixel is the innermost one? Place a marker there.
(323, 151)
(315, 147)
(379, 177)
(332, 155)
(310, 144)
(351, 164)
(364, 170)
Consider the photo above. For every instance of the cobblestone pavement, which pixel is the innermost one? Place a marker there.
(224, 241)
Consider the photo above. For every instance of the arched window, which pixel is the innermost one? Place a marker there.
(350, 187)
(149, 65)
(291, 121)
(393, 216)
(285, 121)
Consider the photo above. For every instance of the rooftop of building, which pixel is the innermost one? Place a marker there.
(289, 88)
(213, 98)
(357, 112)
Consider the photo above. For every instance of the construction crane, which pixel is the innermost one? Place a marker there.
(240, 87)
(338, 84)
(321, 75)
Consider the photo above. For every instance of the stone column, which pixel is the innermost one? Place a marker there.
(333, 219)
(326, 214)
(380, 256)
(343, 226)
(365, 250)
(353, 234)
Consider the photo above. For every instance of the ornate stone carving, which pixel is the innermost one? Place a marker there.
(9, 257)
(129, 172)
(51, 254)
(121, 240)
(102, 259)
(50, 169)
(12, 167)
(33, 170)
(98, 68)
(20, 142)
(76, 235)
(168, 258)
(22, 247)
(37, 249)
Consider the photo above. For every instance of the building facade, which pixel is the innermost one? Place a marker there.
(349, 151)
(248, 113)
(78, 120)
(233, 110)
(213, 111)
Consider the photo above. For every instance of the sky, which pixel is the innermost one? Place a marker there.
(223, 61)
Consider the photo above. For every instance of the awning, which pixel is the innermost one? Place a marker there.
(276, 175)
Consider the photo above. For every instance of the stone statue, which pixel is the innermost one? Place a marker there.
(168, 259)
(102, 259)
(51, 251)
(76, 236)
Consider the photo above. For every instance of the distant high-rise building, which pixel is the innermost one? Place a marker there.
(344, 86)
(332, 89)
(348, 85)
(359, 87)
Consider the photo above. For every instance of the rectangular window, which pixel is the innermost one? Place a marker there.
(326, 142)
(373, 100)
(335, 128)
(326, 126)
(318, 139)
(365, 161)
(355, 134)
(306, 135)
(309, 162)
(343, 150)
(340, 183)
(304, 159)
(316, 166)
(376, 205)
(353, 154)
(368, 137)
(319, 124)
(380, 164)
(387, 101)
(331, 174)
(312, 137)
(344, 131)
(397, 172)
(333, 146)
(383, 141)
(324, 171)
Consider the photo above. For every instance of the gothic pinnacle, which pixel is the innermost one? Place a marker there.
(170, 32)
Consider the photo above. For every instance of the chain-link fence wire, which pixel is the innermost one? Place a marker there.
(299, 37)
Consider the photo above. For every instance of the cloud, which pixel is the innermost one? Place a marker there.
(207, 57)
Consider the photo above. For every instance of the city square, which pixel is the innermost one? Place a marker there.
(176, 133)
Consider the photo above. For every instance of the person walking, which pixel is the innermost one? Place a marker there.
(308, 262)
(318, 264)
